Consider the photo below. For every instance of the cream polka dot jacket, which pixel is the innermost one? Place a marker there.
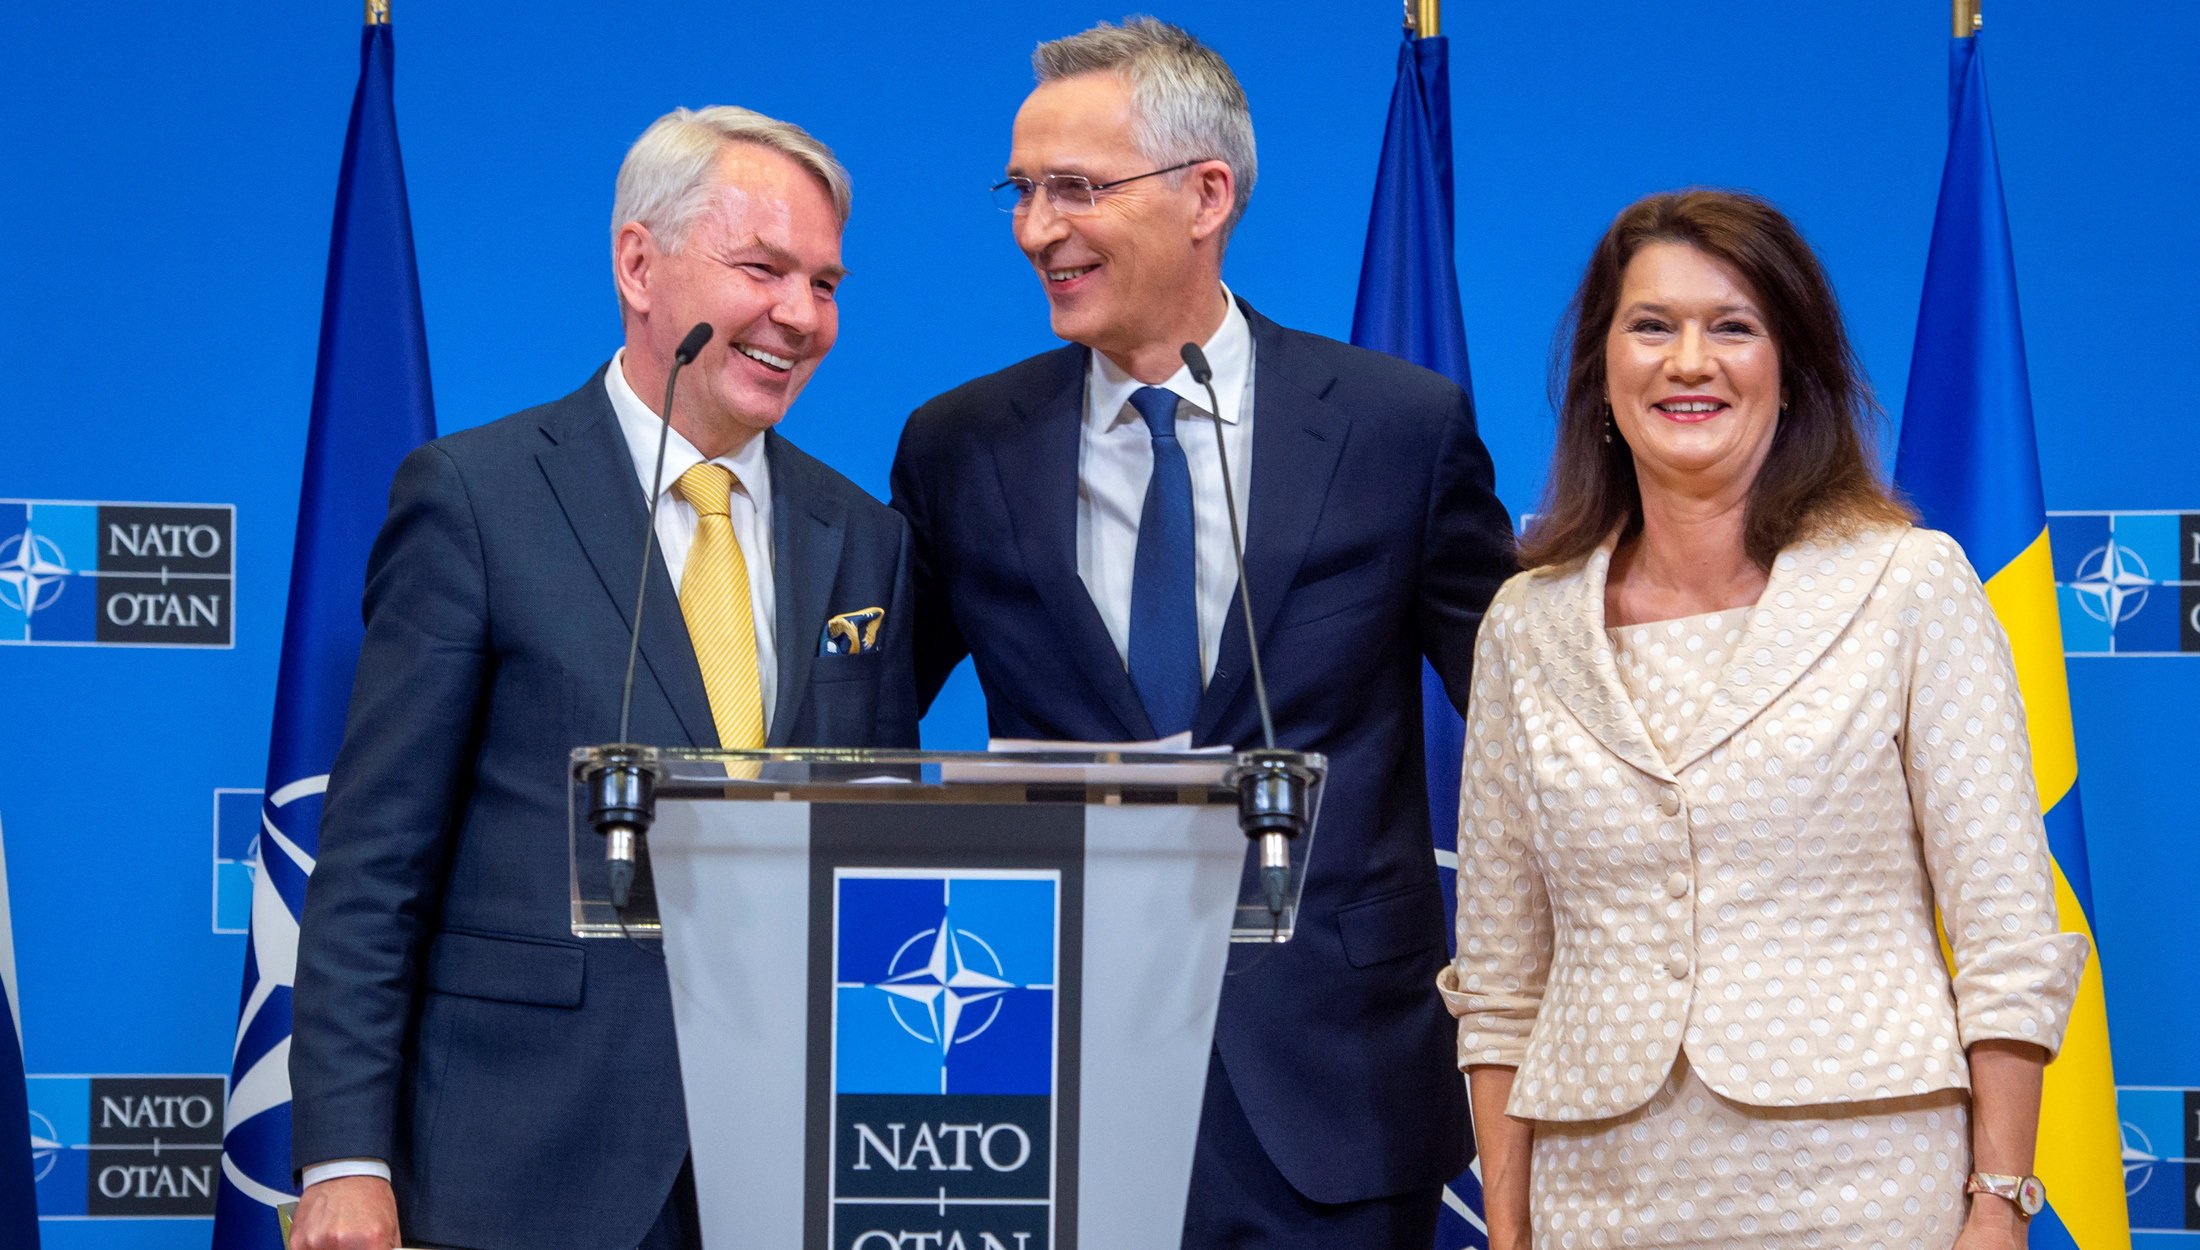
(1766, 897)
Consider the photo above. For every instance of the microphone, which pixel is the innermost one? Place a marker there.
(684, 355)
(622, 783)
(1272, 791)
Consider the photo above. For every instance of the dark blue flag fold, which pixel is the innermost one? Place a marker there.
(19, 1143)
(371, 405)
(1409, 307)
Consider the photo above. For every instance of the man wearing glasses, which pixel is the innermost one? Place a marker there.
(1071, 536)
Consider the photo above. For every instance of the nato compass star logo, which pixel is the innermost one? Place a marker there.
(33, 572)
(944, 981)
(946, 986)
(256, 1144)
(2139, 1159)
(46, 1147)
(2112, 583)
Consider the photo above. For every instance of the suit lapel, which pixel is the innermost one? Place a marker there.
(809, 525)
(1037, 463)
(1298, 437)
(1815, 590)
(1570, 624)
(592, 474)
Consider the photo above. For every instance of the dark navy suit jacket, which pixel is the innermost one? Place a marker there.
(1373, 539)
(524, 1085)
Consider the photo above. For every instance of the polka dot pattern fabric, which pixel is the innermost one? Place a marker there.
(1727, 837)
(1692, 1169)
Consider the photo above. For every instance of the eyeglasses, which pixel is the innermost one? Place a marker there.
(1068, 193)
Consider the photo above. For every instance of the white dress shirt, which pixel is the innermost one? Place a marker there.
(1115, 461)
(750, 508)
(751, 511)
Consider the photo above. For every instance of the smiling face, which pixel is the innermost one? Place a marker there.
(1140, 272)
(761, 264)
(1691, 372)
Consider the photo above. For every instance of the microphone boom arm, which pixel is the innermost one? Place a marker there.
(622, 796)
(1272, 790)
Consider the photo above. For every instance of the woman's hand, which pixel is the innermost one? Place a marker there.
(1509, 1239)
(1993, 1224)
(2005, 1120)
(1503, 1143)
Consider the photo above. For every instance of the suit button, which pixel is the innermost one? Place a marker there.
(1669, 802)
(1677, 885)
(1679, 963)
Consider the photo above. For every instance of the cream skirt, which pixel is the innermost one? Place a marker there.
(1692, 1169)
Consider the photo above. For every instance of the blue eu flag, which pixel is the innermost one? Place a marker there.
(370, 406)
(1409, 307)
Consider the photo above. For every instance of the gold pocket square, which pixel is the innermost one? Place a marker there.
(852, 633)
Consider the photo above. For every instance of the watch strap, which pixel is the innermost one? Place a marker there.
(2026, 1193)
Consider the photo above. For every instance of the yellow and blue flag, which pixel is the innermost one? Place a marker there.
(371, 405)
(1409, 307)
(1969, 459)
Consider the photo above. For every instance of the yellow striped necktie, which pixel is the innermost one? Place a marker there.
(714, 597)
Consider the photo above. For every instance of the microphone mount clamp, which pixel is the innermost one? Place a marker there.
(621, 783)
(1272, 788)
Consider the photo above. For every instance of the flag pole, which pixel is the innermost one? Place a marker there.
(1424, 18)
(1969, 16)
(378, 12)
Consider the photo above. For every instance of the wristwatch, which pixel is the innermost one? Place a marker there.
(2025, 1191)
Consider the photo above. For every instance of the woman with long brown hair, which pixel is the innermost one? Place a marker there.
(1735, 735)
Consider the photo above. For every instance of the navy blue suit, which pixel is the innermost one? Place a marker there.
(1373, 539)
(522, 1084)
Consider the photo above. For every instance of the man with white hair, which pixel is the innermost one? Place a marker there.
(1072, 538)
(463, 1070)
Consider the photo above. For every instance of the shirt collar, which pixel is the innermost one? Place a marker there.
(639, 423)
(1229, 353)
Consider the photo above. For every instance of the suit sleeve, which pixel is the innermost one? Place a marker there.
(1495, 985)
(897, 698)
(1969, 765)
(939, 643)
(1467, 551)
(388, 820)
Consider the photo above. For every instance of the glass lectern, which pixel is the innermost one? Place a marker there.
(944, 998)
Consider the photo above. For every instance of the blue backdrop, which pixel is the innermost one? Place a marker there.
(166, 180)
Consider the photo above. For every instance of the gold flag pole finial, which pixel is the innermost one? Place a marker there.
(1970, 17)
(1424, 17)
(378, 12)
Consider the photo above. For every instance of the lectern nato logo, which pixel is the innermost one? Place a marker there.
(944, 1058)
(116, 574)
(2129, 582)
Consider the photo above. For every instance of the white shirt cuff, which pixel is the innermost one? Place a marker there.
(335, 1168)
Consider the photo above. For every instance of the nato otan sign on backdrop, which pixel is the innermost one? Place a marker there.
(117, 574)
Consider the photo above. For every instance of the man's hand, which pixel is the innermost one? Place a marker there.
(346, 1213)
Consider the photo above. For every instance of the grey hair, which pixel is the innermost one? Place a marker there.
(1190, 106)
(665, 180)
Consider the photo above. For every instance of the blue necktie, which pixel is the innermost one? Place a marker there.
(1164, 651)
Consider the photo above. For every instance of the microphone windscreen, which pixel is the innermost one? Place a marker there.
(692, 345)
(1196, 361)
